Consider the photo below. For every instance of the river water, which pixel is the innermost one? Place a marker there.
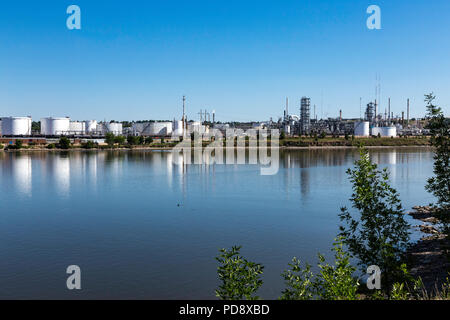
(141, 227)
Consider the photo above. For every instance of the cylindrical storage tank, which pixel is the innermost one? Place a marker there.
(389, 132)
(161, 128)
(77, 127)
(16, 126)
(287, 129)
(178, 128)
(375, 131)
(114, 128)
(90, 126)
(55, 126)
(362, 129)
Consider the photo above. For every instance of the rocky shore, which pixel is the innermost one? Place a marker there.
(429, 257)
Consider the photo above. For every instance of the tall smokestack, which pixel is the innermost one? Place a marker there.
(389, 108)
(376, 111)
(184, 117)
(407, 115)
(403, 118)
(340, 115)
(287, 108)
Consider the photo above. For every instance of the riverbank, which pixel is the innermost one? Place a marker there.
(429, 257)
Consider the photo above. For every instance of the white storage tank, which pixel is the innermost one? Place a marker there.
(178, 128)
(55, 126)
(16, 126)
(362, 129)
(77, 127)
(90, 126)
(114, 128)
(161, 128)
(384, 131)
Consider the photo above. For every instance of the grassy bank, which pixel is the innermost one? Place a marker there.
(343, 142)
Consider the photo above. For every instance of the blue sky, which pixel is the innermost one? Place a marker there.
(136, 59)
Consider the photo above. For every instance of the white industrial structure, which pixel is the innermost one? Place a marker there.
(55, 126)
(384, 131)
(77, 127)
(16, 126)
(362, 129)
(115, 128)
(90, 126)
(178, 128)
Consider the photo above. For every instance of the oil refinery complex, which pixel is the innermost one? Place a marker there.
(373, 123)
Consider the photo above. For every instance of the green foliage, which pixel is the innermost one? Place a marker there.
(2, 146)
(51, 146)
(36, 126)
(240, 278)
(337, 282)
(333, 282)
(133, 140)
(19, 144)
(282, 135)
(299, 282)
(90, 145)
(439, 185)
(148, 140)
(378, 234)
(399, 292)
(110, 139)
(120, 140)
(64, 143)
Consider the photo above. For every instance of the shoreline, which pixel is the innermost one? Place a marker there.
(281, 148)
(429, 257)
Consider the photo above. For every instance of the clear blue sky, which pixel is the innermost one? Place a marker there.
(135, 59)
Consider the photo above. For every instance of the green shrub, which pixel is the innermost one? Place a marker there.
(378, 233)
(240, 278)
(89, 145)
(64, 143)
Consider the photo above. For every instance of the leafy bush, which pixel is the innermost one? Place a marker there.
(334, 282)
(299, 282)
(64, 143)
(51, 146)
(240, 278)
(89, 145)
(110, 139)
(378, 234)
(439, 185)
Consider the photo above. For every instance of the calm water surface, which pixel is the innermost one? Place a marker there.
(141, 227)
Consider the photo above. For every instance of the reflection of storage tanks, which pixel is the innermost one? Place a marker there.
(384, 131)
(55, 126)
(362, 129)
(178, 128)
(90, 126)
(77, 127)
(161, 128)
(16, 126)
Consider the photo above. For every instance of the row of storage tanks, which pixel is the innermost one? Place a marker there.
(21, 126)
(167, 128)
(364, 129)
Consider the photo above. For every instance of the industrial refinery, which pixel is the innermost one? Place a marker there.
(373, 123)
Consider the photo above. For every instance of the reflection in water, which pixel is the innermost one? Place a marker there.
(21, 170)
(60, 171)
(60, 168)
(133, 220)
